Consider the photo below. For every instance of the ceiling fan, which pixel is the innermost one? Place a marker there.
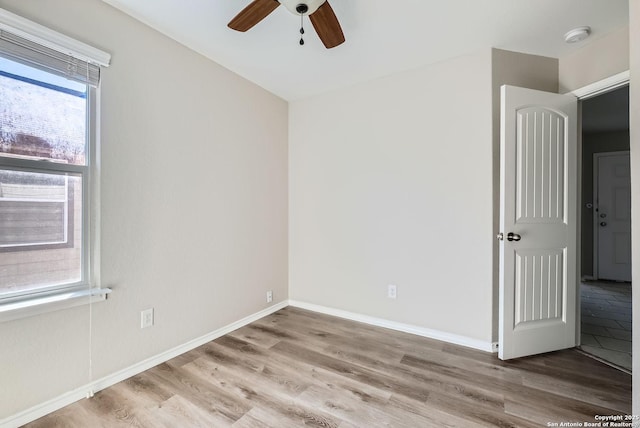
(320, 13)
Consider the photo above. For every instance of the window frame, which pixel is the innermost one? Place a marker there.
(45, 299)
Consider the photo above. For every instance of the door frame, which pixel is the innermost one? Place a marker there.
(596, 229)
(584, 93)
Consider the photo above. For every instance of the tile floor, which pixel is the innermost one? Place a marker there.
(606, 321)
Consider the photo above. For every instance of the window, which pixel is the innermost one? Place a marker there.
(43, 118)
(47, 149)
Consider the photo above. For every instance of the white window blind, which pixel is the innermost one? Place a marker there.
(47, 59)
(37, 46)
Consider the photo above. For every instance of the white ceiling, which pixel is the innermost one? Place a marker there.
(382, 36)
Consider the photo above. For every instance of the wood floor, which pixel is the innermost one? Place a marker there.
(298, 368)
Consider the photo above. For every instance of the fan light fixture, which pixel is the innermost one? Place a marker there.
(577, 34)
(302, 7)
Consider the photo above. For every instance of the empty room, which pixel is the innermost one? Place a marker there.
(342, 213)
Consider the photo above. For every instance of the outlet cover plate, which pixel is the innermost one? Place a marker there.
(392, 291)
(146, 318)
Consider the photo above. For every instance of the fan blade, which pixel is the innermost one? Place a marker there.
(252, 14)
(326, 23)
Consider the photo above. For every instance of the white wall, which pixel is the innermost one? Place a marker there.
(634, 108)
(194, 207)
(391, 183)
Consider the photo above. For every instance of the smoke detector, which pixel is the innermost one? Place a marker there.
(577, 34)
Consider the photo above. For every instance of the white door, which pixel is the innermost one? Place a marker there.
(538, 244)
(613, 215)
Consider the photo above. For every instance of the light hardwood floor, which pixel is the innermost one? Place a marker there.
(298, 368)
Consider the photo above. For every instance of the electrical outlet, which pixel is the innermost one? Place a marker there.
(269, 296)
(392, 291)
(146, 318)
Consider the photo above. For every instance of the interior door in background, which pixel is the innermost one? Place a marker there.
(612, 215)
(538, 224)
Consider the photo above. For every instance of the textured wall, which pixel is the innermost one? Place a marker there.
(391, 183)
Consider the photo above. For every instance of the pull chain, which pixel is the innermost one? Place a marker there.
(301, 29)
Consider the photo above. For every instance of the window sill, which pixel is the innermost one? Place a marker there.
(26, 308)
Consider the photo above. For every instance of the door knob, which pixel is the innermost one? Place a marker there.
(513, 236)
(603, 223)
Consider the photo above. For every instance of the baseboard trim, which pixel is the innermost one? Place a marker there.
(84, 391)
(406, 328)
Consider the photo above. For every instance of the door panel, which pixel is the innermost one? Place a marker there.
(541, 169)
(538, 286)
(538, 205)
(613, 215)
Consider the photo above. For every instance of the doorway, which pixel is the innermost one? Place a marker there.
(605, 290)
